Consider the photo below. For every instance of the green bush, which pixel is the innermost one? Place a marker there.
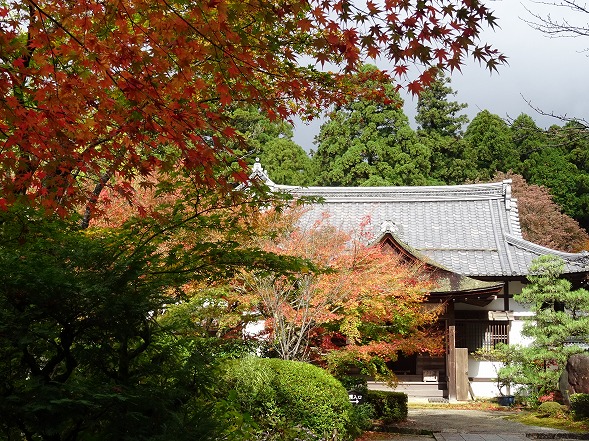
(388, 406)
(550, 409)
(580, 405)
(289, 399)
(362, 415)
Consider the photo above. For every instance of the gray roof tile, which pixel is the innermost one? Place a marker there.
(472, 230)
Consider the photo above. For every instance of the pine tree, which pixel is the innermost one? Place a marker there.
(560, 320)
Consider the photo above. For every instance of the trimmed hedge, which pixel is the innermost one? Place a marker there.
(389, 407)
(580, 405)
(288, 399)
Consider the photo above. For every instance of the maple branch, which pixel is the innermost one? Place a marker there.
(217, 46)
(559, 28)
(58, 24)
(85, 223)
(151, 39)
(82, 45)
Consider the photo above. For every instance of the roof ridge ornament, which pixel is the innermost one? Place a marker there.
(258, 166)
(507, 193)
(259, 173)
(388, 226)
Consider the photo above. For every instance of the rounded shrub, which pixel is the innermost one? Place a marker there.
(580, 405)
(289, 399)
(550, 409)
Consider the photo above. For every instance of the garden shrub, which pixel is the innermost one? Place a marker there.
(361, 416)
(290, 399)
(580, 405)
(388, 406)
(550, 409)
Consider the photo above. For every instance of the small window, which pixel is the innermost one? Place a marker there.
(484, 335)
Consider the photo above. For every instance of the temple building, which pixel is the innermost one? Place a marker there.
(469, 237)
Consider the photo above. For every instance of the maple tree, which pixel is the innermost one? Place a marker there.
(355, 297)
(99, 92)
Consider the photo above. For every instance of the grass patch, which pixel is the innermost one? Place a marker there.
(564, 423)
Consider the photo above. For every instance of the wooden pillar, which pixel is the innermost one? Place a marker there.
(461, 374)
(451, 363)
(506, 296)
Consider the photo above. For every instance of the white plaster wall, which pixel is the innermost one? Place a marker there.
(253, 329)
(483, 370)
(486, 385)
(521, 314)
(487, 389)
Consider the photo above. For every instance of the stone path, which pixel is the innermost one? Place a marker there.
(441, 436)
(470, 425)
(468, 421)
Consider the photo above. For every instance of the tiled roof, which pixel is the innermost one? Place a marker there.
(472, 230)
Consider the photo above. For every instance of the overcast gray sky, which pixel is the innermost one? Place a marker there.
(551, 73)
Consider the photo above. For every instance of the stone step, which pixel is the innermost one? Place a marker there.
(414, 389)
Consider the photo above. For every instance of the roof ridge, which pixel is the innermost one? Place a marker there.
(505, 258)
(582, 257)
(515, 228)
(486, 191)
(486, 186)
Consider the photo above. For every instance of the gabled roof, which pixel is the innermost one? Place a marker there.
(447, 282)
(472, 230)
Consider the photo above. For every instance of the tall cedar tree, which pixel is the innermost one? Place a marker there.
(435, 114)
(369, 142)
(440, 128)
(527, 138)
(489, 146)
(101, 91)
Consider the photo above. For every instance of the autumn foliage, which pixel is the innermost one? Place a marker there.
(98, 93)
(542, 220)
(355, 298)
